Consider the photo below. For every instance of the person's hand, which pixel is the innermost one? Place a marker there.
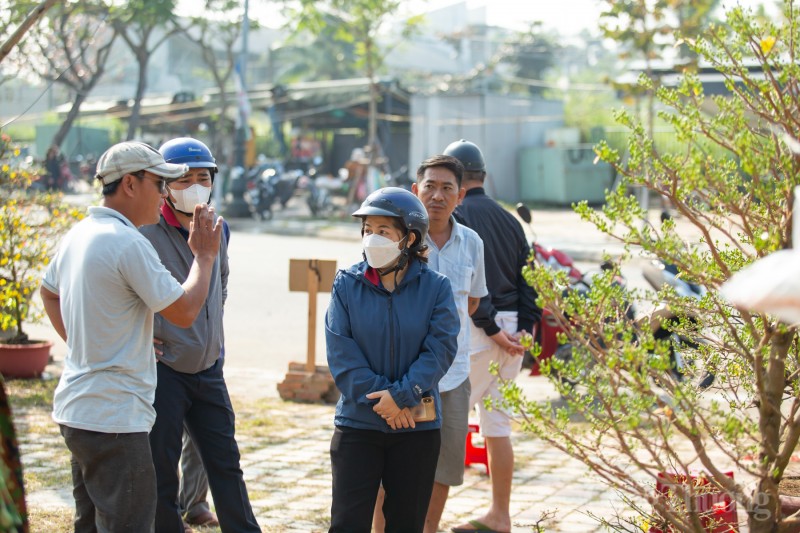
(385, 407)
(204, 233)
(508, 343)
(403, 419)
(157, 343)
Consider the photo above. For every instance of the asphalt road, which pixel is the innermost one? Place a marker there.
(266, 324)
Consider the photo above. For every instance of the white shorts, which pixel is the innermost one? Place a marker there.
(494, 422)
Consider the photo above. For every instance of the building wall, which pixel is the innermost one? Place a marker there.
(499, 124)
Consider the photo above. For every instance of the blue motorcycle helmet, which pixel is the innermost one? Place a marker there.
(189, 152)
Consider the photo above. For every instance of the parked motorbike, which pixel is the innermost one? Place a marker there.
(658, 274)
(260, 192)
(322, 189)
(547, 332)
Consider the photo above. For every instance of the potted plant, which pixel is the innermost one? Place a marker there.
(31, 220)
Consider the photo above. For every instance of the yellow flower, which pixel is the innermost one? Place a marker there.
(766, 44)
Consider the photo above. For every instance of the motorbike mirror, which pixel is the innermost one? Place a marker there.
(524, 213)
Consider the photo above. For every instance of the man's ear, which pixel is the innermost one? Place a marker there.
(414, 188)
(128, 185)
(461, 193)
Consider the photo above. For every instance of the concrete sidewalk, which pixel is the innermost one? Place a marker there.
(287, 470)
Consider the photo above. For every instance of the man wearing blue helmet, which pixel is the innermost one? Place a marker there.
(191, 390)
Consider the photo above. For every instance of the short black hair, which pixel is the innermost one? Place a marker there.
(450, 163)
(475, 175)
(109, 189)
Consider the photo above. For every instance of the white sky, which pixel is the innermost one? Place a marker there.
(569, 17)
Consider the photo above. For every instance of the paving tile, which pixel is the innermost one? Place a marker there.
(290, 473)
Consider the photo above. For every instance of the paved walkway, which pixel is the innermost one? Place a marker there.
(287, 470)
(286, 464)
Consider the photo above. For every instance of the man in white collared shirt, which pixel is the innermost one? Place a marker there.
(457, 252)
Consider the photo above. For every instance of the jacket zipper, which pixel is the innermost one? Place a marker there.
(391, 337)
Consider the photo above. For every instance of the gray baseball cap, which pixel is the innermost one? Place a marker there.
(133, 156)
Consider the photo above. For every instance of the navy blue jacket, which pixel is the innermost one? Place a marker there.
(402, 341)
(506, 253)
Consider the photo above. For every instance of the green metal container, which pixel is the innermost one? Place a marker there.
(561, 175)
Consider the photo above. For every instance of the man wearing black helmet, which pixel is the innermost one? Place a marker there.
(508, 311)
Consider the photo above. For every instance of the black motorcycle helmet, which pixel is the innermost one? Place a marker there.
(398, 203)
(468, 153)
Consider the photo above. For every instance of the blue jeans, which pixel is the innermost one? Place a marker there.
(113, 481)
(200, 401)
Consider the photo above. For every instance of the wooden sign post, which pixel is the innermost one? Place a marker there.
(311, 276)
(309, 382)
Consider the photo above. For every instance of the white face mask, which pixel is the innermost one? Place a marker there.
(186, 199)
(379, 250)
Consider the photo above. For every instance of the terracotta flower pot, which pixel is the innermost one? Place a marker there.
(24, 360)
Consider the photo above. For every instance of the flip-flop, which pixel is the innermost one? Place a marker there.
(476, 526)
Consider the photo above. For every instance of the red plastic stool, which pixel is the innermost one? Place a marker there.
(476, 454)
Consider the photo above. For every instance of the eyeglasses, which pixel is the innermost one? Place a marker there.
(162, 183)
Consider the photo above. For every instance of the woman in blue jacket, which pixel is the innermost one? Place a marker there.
(391, 331)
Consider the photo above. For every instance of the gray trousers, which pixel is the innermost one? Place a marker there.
(192, 498)
(113, 481)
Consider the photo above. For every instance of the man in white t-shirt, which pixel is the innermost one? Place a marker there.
(100, 293)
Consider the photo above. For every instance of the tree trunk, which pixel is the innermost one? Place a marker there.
(26, 24)
(63, 130)
(82, 95)
(220, 130)
(765, 501)
(141, 85)
(372, 131)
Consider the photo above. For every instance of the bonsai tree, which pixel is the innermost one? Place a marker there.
(731, 181)
(30, 222)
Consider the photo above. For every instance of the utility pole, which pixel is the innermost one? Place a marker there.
(237, 207)
(241, 132)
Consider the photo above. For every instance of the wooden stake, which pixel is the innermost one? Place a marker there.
(313, 288)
